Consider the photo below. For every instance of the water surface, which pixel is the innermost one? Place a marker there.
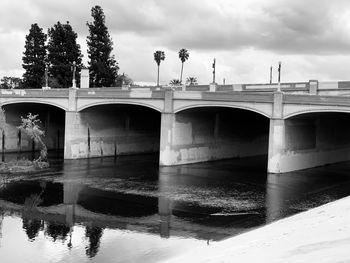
(129, 210)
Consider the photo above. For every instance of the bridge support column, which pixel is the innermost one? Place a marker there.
(73, 148)
(74, 144)
(167, 156)
(276, 145)
(276, 136)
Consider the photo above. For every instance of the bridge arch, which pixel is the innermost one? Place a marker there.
(27, 101)
(264, 109)
(113, 128)
(265, 114)
(313, 137)
(153, 106)
(310, 111)
(52, 121)
(205, 132)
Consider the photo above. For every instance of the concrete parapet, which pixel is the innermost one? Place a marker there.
(84, 78)
(212, 87)
(313, 87)
(237, 87)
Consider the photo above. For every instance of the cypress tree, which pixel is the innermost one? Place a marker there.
(34, 57)
(102, 64)
(63, 50)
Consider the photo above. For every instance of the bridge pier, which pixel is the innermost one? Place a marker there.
(75, 137)
(276, 136)
(276, 146)
(167, 155)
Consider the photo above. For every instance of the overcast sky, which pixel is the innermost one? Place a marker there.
(310, 37)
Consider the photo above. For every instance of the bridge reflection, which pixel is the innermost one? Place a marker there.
(200, 201)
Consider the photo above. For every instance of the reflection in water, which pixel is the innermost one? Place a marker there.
(93, 234)
(1, 220)
(57, 231)
(77, 203)
(164, 212)
(32, 227)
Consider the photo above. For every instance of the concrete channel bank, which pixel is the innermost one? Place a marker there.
(318, 235)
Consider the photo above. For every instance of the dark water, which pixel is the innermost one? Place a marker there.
(130, 210)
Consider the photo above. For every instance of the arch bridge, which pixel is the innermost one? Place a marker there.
(302, 125)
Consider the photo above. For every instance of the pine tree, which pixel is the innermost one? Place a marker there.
(34, 57)
(102, 64)
(63, 50)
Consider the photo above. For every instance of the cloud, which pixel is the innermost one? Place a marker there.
(246, 36)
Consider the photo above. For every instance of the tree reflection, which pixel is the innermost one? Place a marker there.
(57, 231)
(94, 234)
(32, 227)
(2, 213)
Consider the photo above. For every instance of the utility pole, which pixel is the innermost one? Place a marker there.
(279, 76)
(271, 75)
(214, 70)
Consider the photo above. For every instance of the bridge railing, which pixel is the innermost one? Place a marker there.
(34, 93)
(120, 93)
(313, 87)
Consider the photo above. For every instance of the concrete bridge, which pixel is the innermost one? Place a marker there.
(304, 125)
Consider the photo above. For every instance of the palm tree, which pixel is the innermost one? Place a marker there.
(183, 55)
(175, 82)
(158, 57)
(191, 81)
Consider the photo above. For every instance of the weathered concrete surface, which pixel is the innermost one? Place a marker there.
(52, 122)
(276, 146)
(308, 141)
(199, 135)
(111, 130)
(319, 235)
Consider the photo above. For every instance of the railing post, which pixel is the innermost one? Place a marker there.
(84, 78)
(313, 87)
(237, 87)
(212, 87)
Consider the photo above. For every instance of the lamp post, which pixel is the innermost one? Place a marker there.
(74, 69)
(214, 70)
(46, 75)
(271, 75)
(279, 76)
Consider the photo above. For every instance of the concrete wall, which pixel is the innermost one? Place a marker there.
(52, 122)
(312, 140)
(205, 134)
(111, 130)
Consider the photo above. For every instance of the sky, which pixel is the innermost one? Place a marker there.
(310, 37)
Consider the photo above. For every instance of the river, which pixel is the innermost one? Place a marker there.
(127, 209)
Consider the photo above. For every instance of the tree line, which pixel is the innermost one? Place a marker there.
(49, 58)
(54, 54)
